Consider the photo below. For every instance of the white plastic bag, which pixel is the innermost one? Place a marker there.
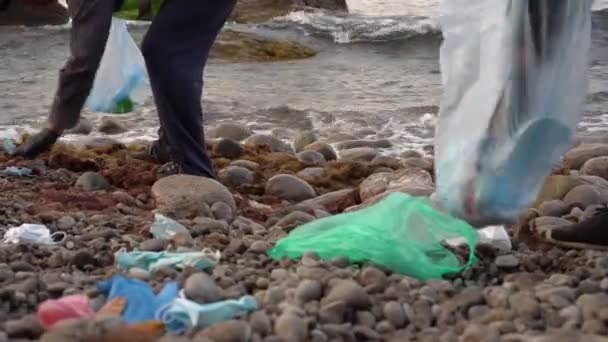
(121, 73)
(514, 74)
(32, 233)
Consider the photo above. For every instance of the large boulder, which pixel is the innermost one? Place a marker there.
(558, 186)
(47, 12)
(249, 47)
(184, 196)
(290, 188)
(577, 157)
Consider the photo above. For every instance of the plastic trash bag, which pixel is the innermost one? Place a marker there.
(32, 233)
(166, 228)
(400, 232)
(53, 311)
(121, 73)
(514, 74)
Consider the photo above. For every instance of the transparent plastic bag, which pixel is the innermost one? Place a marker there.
(514, 74)
(403, 233)
(121, 74)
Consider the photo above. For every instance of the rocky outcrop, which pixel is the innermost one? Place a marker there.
(48, 12)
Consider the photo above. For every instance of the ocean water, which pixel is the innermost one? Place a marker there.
(377, 67)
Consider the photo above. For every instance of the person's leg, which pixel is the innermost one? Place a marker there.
(176, 49)
(91, 20)
(591, 233)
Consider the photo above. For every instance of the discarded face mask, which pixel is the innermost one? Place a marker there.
(181, 313)
(32, 233)
(16, 171)
(166, 228)
(152, 261)
(141, 302)
(54, 311)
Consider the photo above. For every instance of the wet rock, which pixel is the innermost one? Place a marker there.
(577, 157)
(275, 144)
(309, 290)
(311, 158)
(289, 188)
(184, 196)
(228, 148)
(311, 173)
(236, 176)
(387, 161)
(325, 149)
(304, 139)
(584, 195)
(335, 202)
(524, 304)
(92, 181)
(153, 245)
(596, 167)
(410, 154)
(26, 327)
(350, 293)
(557, 186)
(507, 261)
(260, 323)
(228, 331)
(248, 164)
(110, 126)
(334, 5)
(393, 311)
(365, 154)
(555, 208)
(201, 288)
(350, 144)
(415, 182)
(290, 327)
(230, 130)
(83, 127)
(478, 332)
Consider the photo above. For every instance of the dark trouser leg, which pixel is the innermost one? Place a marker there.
(91, 20)
(176, 49)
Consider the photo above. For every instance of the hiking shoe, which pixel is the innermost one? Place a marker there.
(37, 144)
(591, 233)
(169, 169)
(153, 153)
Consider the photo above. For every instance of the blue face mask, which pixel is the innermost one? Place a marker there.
(142, 303)
(181, 313)
(152, 261)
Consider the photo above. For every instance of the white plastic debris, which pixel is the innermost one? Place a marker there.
(495, 236)
(32, 233)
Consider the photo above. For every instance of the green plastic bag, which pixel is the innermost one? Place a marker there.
(401, 232)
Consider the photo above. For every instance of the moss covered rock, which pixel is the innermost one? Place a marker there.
(239, 46)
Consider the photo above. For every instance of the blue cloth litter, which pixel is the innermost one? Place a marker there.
(181, 313)
(152, 261)
(142, 303)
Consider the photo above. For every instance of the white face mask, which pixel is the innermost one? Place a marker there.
(32, 233)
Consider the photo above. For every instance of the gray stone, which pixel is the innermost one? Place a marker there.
(110, 126)
(349, 292)
(555, 208)
(153, 245)
(421, 163)
(92, 181)
(201, 288)
(260, 323)
(311, 173)
(236, 176)
(507, 261)
(304, 139)
(524, 304)
(259, 247)
(591, 304)
(83, 127)
(365, 154)
(26, 327)
(309, 290)
(584, 195)
(248, 164)
(66, 222)
(230, 130)
(393, 312)
(325, 149)
(228, 148)
(332, 312)
(371, 276)
(596, 167)
(185, 196)
(577, 157)
(289, 188)
(222, 211)
(350, 144)
(311, 158)
(290, 327)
